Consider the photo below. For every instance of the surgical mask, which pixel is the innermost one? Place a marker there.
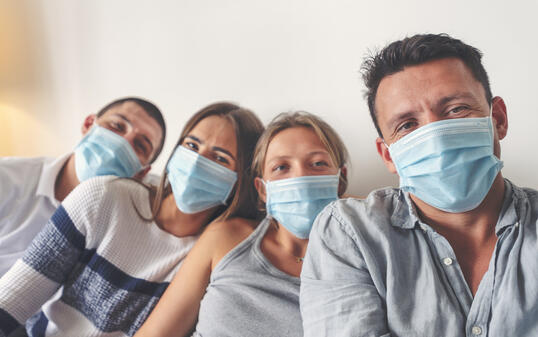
(295, 202)
(197, 182)
(102, 152)
(448, 164)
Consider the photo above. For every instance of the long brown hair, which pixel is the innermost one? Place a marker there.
(248, 128)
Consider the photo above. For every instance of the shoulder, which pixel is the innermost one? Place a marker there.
(112, 187)
(220, 237)
(229, 232)
(23, 161)
(350, 215)
(532, 197)
(100, 194)
(22, 167)
(532, 194)
(525, 193)
(19, 178)
(231, 227)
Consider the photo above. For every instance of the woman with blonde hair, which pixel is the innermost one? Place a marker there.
(114, 244)
(242, 276)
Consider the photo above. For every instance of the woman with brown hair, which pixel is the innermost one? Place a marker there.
(242, 276)
(114, 244)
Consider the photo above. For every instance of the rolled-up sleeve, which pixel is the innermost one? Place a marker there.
(338, 296)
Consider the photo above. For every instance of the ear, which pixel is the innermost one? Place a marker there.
(260, 188)
(383, 151)
(88, 123)
(142, 173)
(500, 117)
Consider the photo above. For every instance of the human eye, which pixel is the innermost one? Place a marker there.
(279, 167)
(117, 126)
(192, 146)
(222, 159)
(141, 147)
(320, 163)
(458, 111)
(406, 127)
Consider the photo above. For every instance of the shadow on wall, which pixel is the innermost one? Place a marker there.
(24, 78)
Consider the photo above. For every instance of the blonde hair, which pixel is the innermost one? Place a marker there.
(327, 135)
(248, 129)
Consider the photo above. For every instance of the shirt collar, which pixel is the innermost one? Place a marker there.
(47, 179)
(511, 209)
(405, 214)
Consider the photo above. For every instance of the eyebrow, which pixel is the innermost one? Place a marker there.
(131, 124)
(214, 148)
(313, 153)
(443, 101)
(456, 96)
(319, 152)
(396, 119)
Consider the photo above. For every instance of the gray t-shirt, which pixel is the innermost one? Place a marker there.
(248, 296)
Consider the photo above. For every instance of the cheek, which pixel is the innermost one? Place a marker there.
(233, 166)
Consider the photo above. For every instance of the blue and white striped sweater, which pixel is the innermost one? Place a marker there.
(113, 266)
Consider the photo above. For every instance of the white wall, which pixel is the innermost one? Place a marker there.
(270, 56)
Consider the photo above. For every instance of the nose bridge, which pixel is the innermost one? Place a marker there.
(130, 136)
(301, 169)
(204, 150)
(431, 116)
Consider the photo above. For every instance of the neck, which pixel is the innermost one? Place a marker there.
(479, 220)
(290, 243)
(66, 180)
(172, 220)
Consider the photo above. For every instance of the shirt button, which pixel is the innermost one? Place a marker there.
(447, 261)
(476, 330)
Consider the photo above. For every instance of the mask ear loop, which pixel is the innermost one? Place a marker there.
(492, 128)
(274, 222)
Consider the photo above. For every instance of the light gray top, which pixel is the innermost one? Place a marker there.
(27, 202)
(249, 297)
(372, 268)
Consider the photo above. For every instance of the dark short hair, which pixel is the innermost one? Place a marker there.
(415, 50)
(152, 111)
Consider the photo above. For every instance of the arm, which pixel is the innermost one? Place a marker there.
(38, 275)
(338, 296)
(177, 310)
(51, 257)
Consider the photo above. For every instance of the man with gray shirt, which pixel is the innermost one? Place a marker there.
(122, 139)
(452, 252)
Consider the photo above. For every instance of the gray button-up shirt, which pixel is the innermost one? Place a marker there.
(372, 268)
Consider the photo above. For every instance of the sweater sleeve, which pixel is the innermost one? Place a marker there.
(51, 258)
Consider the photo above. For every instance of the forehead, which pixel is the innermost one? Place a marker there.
(216, 131)
(294, 142)
(424, 84)
(138, 118)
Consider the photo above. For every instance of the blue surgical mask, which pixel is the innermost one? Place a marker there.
(448, 164)
(102, 152)
(295, 202)
(198, 183)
